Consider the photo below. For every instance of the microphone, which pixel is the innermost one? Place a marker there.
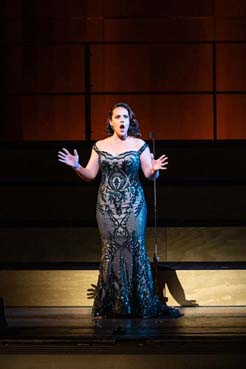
(152, 136)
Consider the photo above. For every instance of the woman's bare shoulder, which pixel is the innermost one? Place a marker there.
(138, 142)
(100, 144)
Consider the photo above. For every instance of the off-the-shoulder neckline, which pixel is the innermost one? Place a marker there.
(122, 153)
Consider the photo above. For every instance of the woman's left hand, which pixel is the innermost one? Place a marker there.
(160, 163)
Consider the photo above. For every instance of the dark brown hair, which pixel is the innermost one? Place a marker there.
(133, 129)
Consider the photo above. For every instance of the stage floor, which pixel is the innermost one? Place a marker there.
(71, 330)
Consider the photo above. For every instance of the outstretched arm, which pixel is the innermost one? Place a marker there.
(150, 166)
(87, 173)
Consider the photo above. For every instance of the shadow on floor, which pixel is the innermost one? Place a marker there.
(169, 278)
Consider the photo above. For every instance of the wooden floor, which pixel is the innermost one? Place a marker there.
(201, 330)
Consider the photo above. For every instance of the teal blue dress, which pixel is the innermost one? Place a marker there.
(125, 284)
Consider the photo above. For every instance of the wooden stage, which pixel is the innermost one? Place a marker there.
(59, 330)
(62, 338)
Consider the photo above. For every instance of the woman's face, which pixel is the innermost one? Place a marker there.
(120, 122)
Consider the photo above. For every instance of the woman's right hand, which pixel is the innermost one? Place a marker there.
(67, 158)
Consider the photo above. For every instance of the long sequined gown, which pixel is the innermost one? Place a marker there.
(125, 284)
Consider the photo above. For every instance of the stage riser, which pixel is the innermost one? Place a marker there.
(80, 244)
(182, 361)
(197, 154)
(176, 204)
(69, 287)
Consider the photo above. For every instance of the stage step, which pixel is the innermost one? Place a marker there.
(67, 338)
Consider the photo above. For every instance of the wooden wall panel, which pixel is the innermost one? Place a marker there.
(52, 117)
(94, 8)
(158, 8)
(170, 116)
(182, 67)
(158, 29)
(230, 28)
(11, 31)
(94, 29)
(151, 67)
(13, 68)
(231, 67)
(46, 69)
(53, 8)
(36, 30)
(45, 20)
(230, 8)
(50, 20)
(115, 8)
(231, 117)
(53, 30)
(12, 8)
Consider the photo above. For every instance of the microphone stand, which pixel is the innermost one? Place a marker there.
(156, 257)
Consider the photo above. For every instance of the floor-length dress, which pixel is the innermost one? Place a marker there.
(125, 284)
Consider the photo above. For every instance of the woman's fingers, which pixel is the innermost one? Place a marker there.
(61, 154)
(161, 163)
(64, 156)
(66, 151)
(163, 158)
(164, 164)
